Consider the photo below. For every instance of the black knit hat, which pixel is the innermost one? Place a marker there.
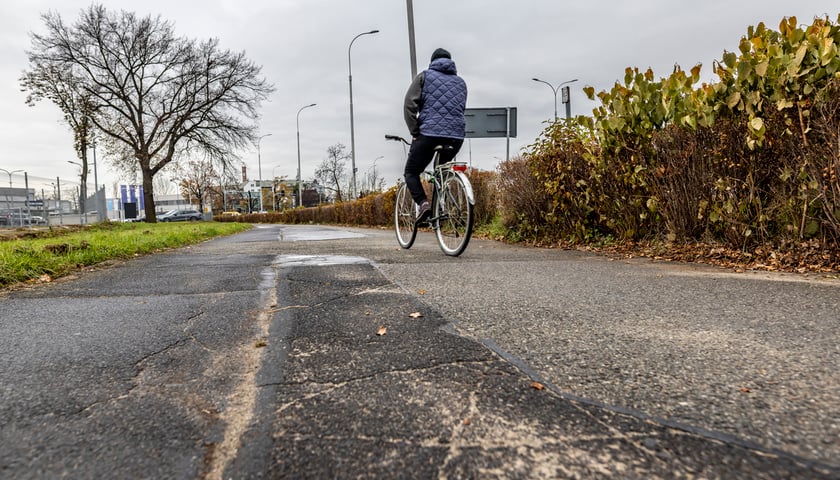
(440, 53)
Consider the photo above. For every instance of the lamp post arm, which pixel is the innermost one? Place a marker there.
(297, 125)
(553, 90)
(259, 167)
(352, 127)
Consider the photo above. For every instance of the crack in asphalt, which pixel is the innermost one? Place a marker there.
(366, 291)
(178, 343)
(683, 428)
(136, 382)
(338, 385)
(384, 372)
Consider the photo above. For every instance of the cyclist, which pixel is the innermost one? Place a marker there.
(434, 114)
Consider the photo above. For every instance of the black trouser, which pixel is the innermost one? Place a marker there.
(420, 154)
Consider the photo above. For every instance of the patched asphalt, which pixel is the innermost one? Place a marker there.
(291, 352)
(367, 391)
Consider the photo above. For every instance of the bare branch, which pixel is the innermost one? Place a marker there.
(152, 95)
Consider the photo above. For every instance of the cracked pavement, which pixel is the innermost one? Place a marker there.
(423, 402)
(128, 371)
(257, 356)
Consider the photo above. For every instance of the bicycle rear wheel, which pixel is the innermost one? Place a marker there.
(405, 214)
(454, 214)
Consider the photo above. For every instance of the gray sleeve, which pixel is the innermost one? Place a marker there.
(413, 103)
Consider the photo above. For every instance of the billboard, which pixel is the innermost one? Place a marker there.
(491, 122)
(132, 194)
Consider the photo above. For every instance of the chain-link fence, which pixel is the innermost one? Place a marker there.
(27, 200)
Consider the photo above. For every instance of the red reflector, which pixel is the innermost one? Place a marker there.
(459, 168)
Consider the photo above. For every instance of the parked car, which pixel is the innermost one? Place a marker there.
(14, 219)
(38, 220)
(182, 215)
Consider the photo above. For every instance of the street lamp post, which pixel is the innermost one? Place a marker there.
(8, 201)
(259, 168)
(409, 7)
(555, 90)
(297, 123)
(352, 132)
(274, 169)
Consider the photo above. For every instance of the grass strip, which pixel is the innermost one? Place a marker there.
(56, 254)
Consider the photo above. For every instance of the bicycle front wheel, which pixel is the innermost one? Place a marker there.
(454, 214)
(405, 214)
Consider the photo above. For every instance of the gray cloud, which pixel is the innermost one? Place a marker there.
(498, 46)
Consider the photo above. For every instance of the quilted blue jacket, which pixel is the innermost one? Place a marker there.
(435, 102)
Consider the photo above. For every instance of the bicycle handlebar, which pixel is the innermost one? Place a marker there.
(397, 138)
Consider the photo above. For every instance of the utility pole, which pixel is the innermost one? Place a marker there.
(411, 48)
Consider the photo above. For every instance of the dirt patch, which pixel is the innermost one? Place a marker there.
(29, 233)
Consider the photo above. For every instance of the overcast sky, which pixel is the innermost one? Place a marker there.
(498, 46)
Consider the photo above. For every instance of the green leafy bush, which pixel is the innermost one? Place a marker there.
(753, 158)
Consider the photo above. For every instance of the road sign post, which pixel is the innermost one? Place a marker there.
(492, 123)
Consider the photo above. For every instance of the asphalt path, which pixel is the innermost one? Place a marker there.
(292, 352)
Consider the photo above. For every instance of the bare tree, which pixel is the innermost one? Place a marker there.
(45, 81)
(163, 185)
(333, 170)
(372, 183)
(197, 179)
(230, 188)
(155, 97)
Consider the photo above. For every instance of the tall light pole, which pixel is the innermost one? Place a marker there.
(352, 132)
(555, 95)
(300, 188)
(259, 168)
(274, 169)
(9, 202)
(409, 7)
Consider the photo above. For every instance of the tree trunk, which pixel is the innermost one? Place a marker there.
(149, 195)
(83, 178)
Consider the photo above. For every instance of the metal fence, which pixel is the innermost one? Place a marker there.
(27, 200)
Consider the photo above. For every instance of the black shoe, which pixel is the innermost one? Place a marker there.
(424, 212)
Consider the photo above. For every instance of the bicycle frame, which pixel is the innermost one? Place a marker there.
(453, 201)
(439, 175)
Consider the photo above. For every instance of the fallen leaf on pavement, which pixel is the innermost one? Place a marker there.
(537, 386)
(382, 331)
(261, 343)
(744, 390)
(422, 292)
(415, 315)
(467, 421)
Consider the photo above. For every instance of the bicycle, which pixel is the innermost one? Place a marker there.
(452, 206)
